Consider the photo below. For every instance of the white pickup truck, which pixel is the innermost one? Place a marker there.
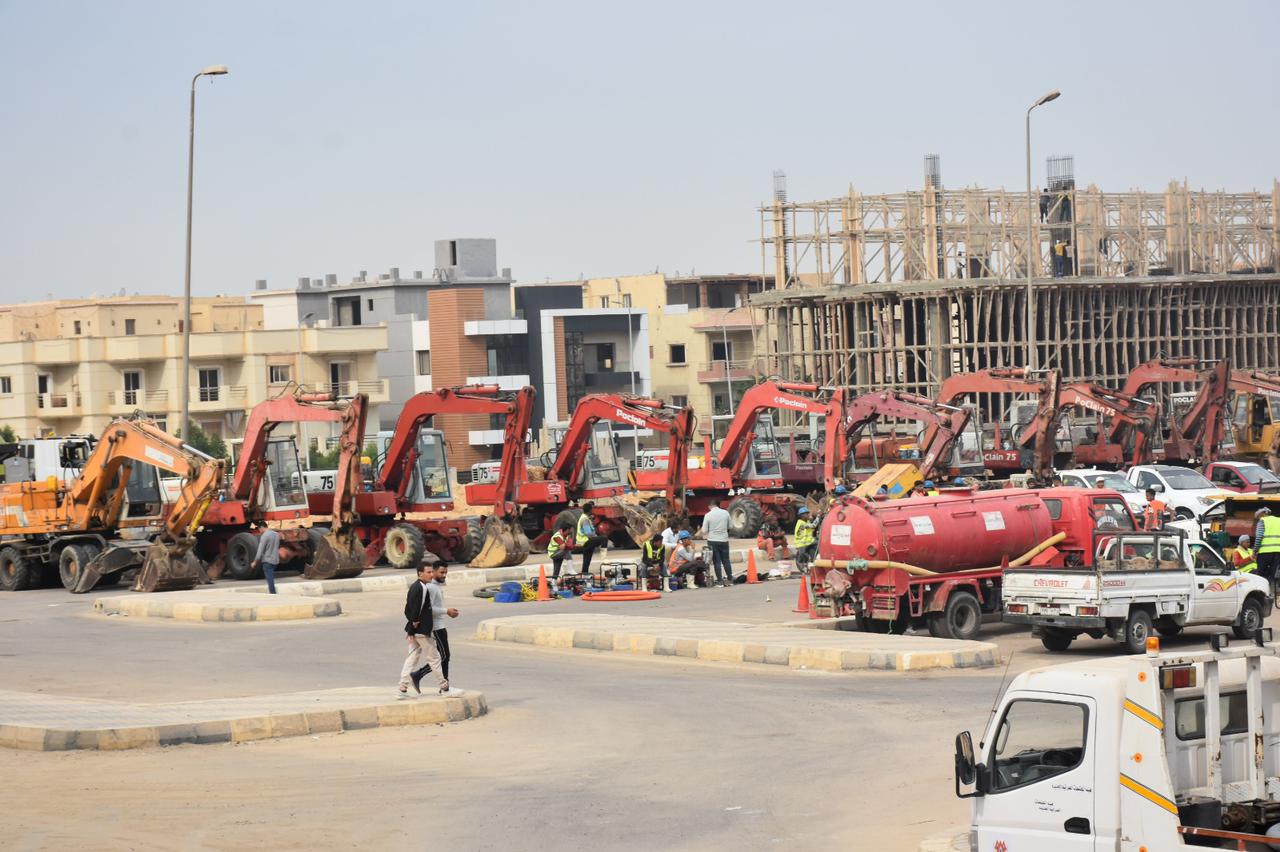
(1185, 492)
(1149, 753)
(1164, 580)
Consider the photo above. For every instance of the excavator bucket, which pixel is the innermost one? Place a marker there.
(641, 525)
(335, 559)
(505, 544)
(165, 569)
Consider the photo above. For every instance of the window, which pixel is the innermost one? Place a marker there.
(626, 300)
(721, 350)
(209, 382)
(424, 362)
(679, 401)
(340, 378)
(675, 354)
(1054, 506)
(1188, 715)
(77, 324)
(278, 374)
(1112, 513)
(604, 358)
(132, 384)
(6, 385)
(1146, 479)
(1037, 740)
(370, 301)
(130, 327)
(604, 301)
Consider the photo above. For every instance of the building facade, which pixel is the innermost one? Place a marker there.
(71, 366)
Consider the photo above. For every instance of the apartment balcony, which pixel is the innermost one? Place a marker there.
(482, 328)
(733, 371)
(219, 398)
(148, 347)
(50, 405)
(60, 351)
(351, 338)
(612, 381)
(377, 389)
(506, 383)
(128, 401)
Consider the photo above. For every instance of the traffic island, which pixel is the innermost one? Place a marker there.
(390, 582)
(731, 642)
(38, 722)
(218, 606)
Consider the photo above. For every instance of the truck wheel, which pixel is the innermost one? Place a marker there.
(241, 550)
(16, 573)
(1184, 515)
(1250, 619)
(1137, 630)
(472, 543)
(745, 517)
(1056, 640)
(405, 546)
(72, 562)
(961, 619)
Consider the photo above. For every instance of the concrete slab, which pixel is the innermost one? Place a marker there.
(213, 605)
(40, 722)
(734, 642)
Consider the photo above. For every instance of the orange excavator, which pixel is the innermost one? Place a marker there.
(943, 426)
(1030, 448)
(414, 480)
(76, 527)
(1196, 436)
(1109, 407)
(268, 486)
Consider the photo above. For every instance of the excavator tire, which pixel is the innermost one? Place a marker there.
(473, 541)
(72, 562)
(16, 573)
(164, 570)
(334, 560)
(570, 515)
(241, 550)
(405, 546)
(505, 544)
(745, 517)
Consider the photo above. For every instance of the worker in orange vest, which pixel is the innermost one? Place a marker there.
(1153, 515)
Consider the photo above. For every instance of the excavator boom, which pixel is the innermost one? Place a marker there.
(1036, 437)
(944, 423)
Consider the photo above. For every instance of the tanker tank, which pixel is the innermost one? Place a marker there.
(955, 531)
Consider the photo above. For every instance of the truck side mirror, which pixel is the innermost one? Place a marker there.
(966, 767)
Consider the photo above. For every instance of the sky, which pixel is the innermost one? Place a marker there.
(590, 139)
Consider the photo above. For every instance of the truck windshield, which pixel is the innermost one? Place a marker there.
(1180, 479)
(1112, 513)
(286, 474)
(1037, 740)
(1255, 474)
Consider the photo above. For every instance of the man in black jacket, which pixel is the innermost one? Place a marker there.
(417, 628)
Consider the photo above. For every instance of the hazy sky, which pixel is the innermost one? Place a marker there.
(593, 138)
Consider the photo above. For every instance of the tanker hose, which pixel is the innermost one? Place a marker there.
(1037, 550)
(917, 571)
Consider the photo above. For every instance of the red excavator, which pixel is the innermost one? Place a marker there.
(268, 486)
(943, 426)
(415, 479)
(1108, 406)
(585, 468)
(1030, 448)
(1196, 436)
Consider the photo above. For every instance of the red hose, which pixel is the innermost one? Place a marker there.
(622, 596)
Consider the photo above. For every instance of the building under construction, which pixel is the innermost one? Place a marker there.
(905, 289)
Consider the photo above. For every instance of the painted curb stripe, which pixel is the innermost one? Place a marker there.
(1148, 794)
(1144, 714)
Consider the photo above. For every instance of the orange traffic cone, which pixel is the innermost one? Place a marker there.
(544, 594)
(802, 602)
(752, 576)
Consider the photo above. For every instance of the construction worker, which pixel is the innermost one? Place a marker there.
(586, 539)
(559, 547)
(1059, 259)
(806, 539)
(683, 563)
(929, 488)
(653, 557)
(1243, 558)
(1153, 515)
(1267, 536)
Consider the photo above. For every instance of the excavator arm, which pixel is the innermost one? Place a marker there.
(1138, 415)
(945, 423)
(1039, 433)
(246, 485)
(340, 552)
(1197, 434)
(735, 450)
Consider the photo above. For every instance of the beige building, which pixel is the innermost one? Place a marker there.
(704, 340)
(70, 366)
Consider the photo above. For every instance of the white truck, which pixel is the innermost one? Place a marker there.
(1139, 581)
(1185, 492)
(1149, 753)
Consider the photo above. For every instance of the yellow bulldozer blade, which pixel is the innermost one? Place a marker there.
(505, 544)
(335, 559)
(166, 569)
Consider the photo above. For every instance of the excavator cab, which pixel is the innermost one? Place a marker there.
(283, 487)
(430, 479)
(766, 455)
(1253, 422)
(601, 469)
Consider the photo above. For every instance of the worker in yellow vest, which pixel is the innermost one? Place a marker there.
(929, 488)
(1243, 558)
(1267, 536)
(806, 539)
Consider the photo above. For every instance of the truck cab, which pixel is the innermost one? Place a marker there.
(1152, 752)
(1242, 477)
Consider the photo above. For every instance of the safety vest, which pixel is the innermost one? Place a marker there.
(584, 524)
(677, 561)
(1270, 541)
(558, 544)
(1153, 516)
(1244, 560)
(804, 533)
(653, 552)
(932, 492)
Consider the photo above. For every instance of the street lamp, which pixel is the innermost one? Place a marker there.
(1030, 329)
(631, 357)
(302, 426)
(211, 71)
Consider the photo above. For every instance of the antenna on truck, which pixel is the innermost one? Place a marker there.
(999, 692)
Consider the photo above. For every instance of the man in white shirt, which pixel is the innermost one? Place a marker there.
(669, 539)
(715, 527)
(440, 574)
(418, 634)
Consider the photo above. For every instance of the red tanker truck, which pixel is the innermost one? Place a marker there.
(937, 561)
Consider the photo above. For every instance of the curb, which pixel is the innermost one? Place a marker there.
(768, 651)
(953, 840)
(392, 582)
(433, 711)
(145, 606)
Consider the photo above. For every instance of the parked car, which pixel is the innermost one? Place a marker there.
(1185, 492)
(1242, 477)
(1088, 477)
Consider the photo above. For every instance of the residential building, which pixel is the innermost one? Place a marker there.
(69, 367)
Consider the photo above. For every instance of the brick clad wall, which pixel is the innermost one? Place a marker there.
(454, 356)
(562, 382)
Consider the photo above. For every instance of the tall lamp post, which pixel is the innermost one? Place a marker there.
(302, 426)
(1030, 332)
(211, 71)
(631, 367)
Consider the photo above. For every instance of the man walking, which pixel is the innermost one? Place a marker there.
(715, 526)
(440, 574)
(586, 538)
(417, 628)
(268, 556)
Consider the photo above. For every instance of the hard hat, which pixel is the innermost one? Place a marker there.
(802, 511)
(928, 483)
(684, 534)
(840, 489)
(959, 480)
